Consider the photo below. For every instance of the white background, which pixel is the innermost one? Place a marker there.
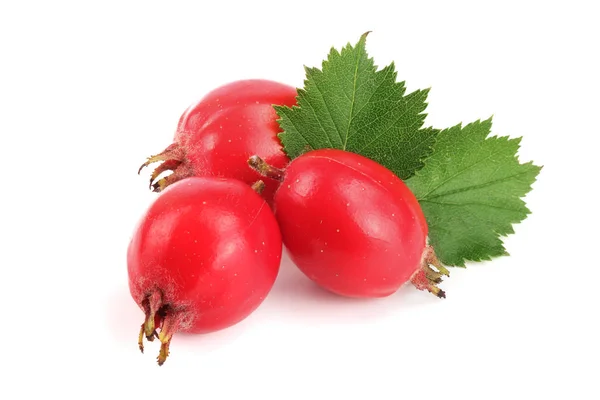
(89, 89)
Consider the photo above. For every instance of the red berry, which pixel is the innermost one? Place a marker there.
(202, 258)
(216, 135)
(352, 226)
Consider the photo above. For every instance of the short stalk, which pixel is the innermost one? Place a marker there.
(264, 169)
(258, 186)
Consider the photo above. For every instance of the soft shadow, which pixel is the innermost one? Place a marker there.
(213, 341)
(294, 299)
(123, 316)
(296, 295)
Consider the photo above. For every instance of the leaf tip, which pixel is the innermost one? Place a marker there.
(278, 107)
(487, 122)
(363, 37)
(361, 42)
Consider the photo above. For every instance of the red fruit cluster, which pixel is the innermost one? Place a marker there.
(207, 251)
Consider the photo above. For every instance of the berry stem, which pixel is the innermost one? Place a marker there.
(258, 186)
(269, 171)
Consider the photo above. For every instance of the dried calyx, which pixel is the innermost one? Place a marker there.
(427, 278)
(161, 322)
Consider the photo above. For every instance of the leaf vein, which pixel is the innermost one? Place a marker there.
(478, 186)
(353, 100)
(444, 203)
(390, 126)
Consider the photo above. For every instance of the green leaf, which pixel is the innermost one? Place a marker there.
(352, 106)
(470, 191)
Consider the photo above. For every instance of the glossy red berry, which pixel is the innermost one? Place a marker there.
(202, 258)
(352, 226)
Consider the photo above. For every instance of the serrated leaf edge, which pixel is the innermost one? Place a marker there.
(500, 236)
